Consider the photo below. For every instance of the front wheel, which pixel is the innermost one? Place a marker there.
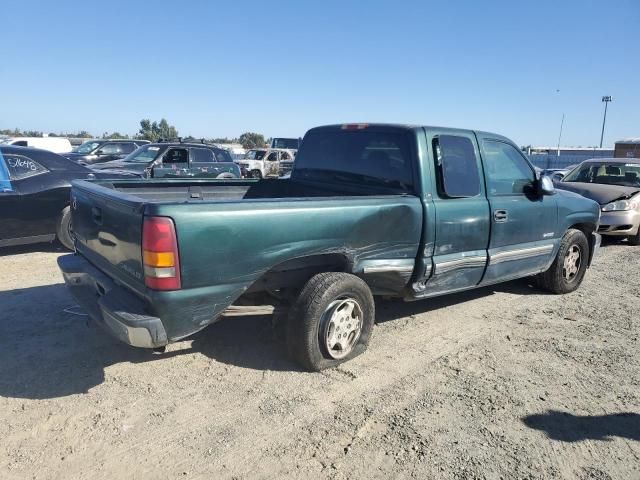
(570, 265)
(256, 174)
(634, 239)
(331, 321)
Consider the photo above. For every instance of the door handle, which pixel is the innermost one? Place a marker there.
(96, 215)
(500, 216)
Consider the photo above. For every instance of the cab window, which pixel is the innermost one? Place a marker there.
(456, 166)
(508, 173)
(21, 167)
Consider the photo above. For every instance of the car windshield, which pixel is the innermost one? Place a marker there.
(144, 154)
(87, 147)
(5, 184)
(606, 173)
(255, 154)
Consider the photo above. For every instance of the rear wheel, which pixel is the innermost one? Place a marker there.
(64, 232)
(331, 321)
(570, 265)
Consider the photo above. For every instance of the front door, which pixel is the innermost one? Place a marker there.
(175, 163)
(461, 210)
(523, 222)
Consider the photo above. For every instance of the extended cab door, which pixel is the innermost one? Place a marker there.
(461, 227)
(523, 222)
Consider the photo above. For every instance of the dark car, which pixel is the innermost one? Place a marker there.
(175, 159)
(34, 195)
(100, 151)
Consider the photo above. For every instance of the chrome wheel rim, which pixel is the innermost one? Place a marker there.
(572, 262)
(340, 327)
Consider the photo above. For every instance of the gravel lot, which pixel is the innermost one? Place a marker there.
(506, 382)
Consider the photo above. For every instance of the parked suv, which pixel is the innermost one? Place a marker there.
(175, 159)
(266, 162)
(100, 151)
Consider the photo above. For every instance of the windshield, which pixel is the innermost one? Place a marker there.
(87, 147)
(144, 154)
(255, 154)
(292, 143)
(606, 173)
(357, 156)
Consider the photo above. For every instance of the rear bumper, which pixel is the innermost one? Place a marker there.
(116, 309)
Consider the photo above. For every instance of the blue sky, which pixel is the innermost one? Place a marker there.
(279, 68)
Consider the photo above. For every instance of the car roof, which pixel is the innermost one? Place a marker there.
(613, 160)
(185, 144)
(407, 126)
(105, 140)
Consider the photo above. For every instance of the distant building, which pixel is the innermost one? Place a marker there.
(627, 148)
(589, 152)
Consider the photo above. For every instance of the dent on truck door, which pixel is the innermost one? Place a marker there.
(462, 212)
(524, 224)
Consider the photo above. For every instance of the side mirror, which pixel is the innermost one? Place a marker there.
(545, 186)
(99, 152)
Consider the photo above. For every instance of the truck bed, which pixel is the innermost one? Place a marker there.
(230, 233)
(172, 190)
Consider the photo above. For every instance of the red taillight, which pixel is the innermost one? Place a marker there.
(160, 254)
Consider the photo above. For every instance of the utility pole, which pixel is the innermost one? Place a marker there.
(606, 99)
(560, 136)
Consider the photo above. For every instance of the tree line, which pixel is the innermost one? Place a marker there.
(152, 131)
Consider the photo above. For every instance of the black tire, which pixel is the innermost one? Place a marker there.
(64, 231)
(307, 320)
(634, 239)
(256, 174)
(558, 279)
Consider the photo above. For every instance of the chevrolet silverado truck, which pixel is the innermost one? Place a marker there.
(369, 210)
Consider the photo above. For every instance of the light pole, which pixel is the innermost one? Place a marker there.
(606, 99)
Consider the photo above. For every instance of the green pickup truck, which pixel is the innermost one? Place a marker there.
(390, 210)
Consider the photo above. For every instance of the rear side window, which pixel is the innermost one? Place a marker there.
(201, 155)
(5, 184)
(223, 156)
(456, 166)
(508, 172)
(20, 143)
(21, 167)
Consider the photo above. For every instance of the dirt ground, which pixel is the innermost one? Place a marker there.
(499, 383)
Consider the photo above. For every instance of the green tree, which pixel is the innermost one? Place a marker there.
(154, 131)
(107, 135)
(252, 140)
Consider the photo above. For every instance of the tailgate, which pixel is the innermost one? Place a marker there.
(107, 225)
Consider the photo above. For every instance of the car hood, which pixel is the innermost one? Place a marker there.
(602, 194)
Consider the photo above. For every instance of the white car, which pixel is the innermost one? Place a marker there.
(266, 162)
(53, 144)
